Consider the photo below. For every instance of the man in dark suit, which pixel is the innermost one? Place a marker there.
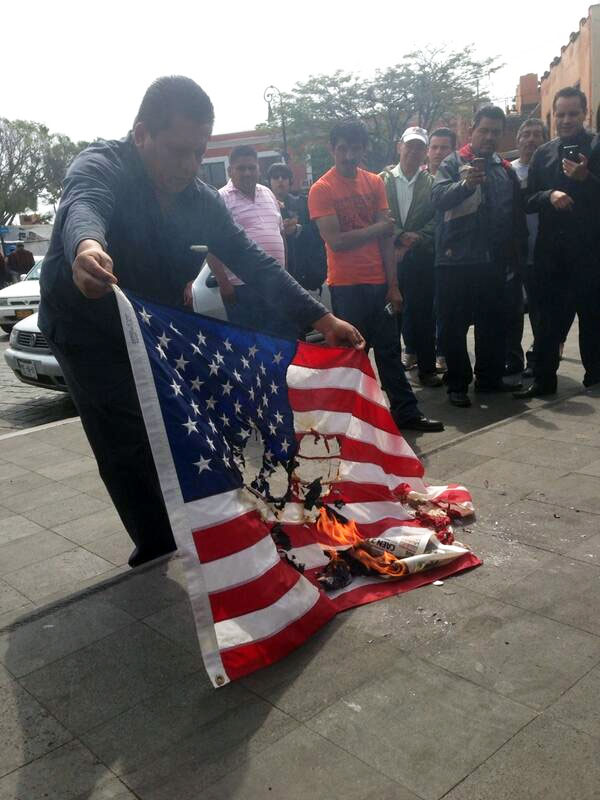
(564, 189)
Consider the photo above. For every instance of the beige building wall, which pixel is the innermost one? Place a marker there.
(577, 65)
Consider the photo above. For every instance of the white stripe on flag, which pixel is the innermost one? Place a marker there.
(266, 622)
(241, 567)
(373, 512)
(219, 508)
(311, 555)
(295, 513)
(337, 422)
(353, 380)
(365, 472)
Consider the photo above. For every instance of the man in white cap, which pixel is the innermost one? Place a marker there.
(408, 186)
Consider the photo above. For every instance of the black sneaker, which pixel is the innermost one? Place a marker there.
(421, 423)
(535, 390)
(141, 556)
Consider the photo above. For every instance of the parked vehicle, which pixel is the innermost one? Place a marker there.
(30, 358)
(207, 298)
(20, 300)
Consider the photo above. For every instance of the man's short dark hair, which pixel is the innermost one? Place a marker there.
(447, 133)
(280, 170)
(533, 123)
(489, 112)
(352, 131)
(242, 151)
(171, 95)
(570, 91)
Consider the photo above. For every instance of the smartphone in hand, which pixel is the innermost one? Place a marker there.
(571, 152)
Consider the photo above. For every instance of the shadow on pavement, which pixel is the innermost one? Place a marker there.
(110, 691)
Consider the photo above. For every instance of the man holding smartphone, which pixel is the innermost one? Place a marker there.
(564, 189)
(480, 237)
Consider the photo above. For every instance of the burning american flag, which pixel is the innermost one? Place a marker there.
(337, 513)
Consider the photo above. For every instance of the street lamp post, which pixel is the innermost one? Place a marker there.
(273, 95)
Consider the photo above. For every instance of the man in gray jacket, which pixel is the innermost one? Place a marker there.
(481, 234)
(130, 211)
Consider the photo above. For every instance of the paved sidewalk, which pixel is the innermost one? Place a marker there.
(485, 687)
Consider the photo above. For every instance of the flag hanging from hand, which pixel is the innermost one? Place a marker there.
(257, 562)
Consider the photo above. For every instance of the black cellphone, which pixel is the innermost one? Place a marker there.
(571, 152)
(478, 163)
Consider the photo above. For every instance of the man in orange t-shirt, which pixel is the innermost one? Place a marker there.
(351, 210)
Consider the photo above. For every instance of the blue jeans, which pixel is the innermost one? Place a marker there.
(364, 306)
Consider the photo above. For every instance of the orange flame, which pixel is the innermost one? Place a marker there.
(342, 533)
(370, 555)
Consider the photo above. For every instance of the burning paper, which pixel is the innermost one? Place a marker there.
(392, 555)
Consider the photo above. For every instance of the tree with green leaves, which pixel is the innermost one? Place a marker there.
(33, 164)
(60, 153)
(23, 147)
(426, 87)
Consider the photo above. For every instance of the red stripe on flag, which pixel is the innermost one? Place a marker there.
(300, 534)
(230, 537)
(353, 450)
(352, 492)
(314, 356)
(254, 595)
(382, 588)
(240, 661)
(454, 494)
(344, 401)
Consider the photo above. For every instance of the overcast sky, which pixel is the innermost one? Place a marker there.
(82, 68)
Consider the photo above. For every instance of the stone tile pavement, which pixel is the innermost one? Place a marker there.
(485, 687)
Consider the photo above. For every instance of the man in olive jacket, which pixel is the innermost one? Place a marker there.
(408, 188)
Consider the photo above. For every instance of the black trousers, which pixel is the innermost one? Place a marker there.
(515, 358)
(561, 296)
(416, 276)
(364, 306)
(472, 294)
(103, 390)
(533, 310)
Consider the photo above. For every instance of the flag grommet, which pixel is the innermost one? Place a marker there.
(219, 680)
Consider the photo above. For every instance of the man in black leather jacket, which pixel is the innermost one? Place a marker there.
(481, 236)
(130, 211)
(563, 187)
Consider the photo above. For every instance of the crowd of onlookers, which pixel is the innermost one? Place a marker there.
(441, 240)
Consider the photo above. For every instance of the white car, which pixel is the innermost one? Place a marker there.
(30, 358)
(20, 300)
(207, 298)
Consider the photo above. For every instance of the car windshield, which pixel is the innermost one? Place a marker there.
(34, 272)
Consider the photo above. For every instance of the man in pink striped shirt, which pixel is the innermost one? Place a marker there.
(256, 210)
